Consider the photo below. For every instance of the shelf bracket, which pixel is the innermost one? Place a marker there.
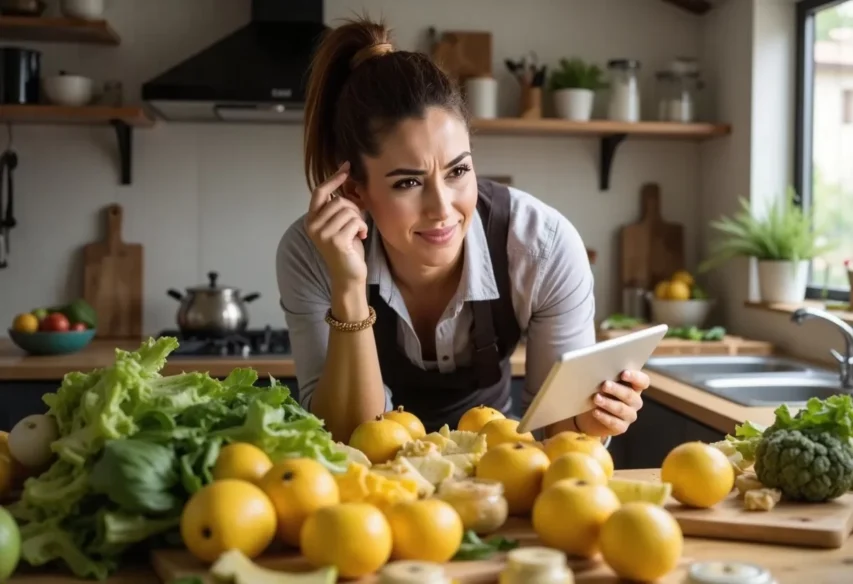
(609, 144)
(124, 135)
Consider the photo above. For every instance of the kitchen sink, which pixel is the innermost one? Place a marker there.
(751, 380)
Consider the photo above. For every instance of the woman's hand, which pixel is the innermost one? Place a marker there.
(336, 227)
(616, 406)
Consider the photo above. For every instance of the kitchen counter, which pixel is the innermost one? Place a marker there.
(788, 564)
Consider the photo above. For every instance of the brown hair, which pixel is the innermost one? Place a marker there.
(359, 87)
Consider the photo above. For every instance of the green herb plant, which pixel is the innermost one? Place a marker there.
(785, 233)
(577, 74)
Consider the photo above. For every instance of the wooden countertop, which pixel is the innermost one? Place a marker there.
(788, 564)
(17, 365)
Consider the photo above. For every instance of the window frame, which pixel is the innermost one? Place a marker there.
(804, 112)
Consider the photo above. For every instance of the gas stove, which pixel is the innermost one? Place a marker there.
(250, 343)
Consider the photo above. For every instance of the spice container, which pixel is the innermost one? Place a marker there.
(480, 503)
(413, 572)
(677, 96)
(536, 565)
(624, 103)
(727, 573)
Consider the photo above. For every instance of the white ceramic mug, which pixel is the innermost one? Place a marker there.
(83, 9)
(482, 97)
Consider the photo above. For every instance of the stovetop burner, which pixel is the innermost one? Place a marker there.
(249, 343)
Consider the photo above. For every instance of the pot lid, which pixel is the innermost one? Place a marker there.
(211, 286)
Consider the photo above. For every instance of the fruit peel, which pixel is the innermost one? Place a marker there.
(234, 567)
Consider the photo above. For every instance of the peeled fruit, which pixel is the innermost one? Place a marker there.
(297, 487)
(234, 567)
(504, 430)
(243, 461)
(641, 542)
(355, 538)
(568, 441)
(569, 514)
(30, 440)
(429, 530)
(632, 490)
(227, 514)
(574, 465)
(701, 475)
(520, 467)
(379, 439)
(474, 419)
(408, 420)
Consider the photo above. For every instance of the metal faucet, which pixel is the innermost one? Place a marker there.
(845, 362)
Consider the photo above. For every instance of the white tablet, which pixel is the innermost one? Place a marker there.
(577, 376)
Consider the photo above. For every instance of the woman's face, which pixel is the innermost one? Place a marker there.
(421, 190)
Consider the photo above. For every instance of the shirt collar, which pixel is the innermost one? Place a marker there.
(478, 275)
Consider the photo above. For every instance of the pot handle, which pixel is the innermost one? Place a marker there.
(251, 297)
(175, 294)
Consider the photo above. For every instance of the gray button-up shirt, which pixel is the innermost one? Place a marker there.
(552, 293)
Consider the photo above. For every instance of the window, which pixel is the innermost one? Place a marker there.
(824, 135)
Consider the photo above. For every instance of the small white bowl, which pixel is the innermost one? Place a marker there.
(83, 9)
(679, 313)
(71, 90)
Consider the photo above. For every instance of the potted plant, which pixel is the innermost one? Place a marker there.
(784, 242)
(574, 84)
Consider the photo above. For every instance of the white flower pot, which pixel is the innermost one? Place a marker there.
(574, 104)
(783, 281)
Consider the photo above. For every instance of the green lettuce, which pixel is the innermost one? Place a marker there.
(134, 445)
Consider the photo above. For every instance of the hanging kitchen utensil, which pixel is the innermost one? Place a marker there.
(8, 163)
(212, 310)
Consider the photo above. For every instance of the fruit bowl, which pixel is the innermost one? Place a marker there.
(680, 313)
(50, 342)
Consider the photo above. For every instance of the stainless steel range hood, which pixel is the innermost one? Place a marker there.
(256, 74)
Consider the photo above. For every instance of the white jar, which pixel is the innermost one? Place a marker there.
(624, 103)
(536, 565)
(482, 97)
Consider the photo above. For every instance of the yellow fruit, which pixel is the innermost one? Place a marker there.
(7, 474)
(379, 439)
(679, 291)
(574, 465)
(569, 514)
(297, 487)
(574, 442)
(641, 542)
(429, 530)
(228, 514)
(408, 420)
(683, 276)
(503, 430)
(520, 467)
(355, 538)
(662, 290)
(19, 471)
(25, 323)
(474, 419)
(701, 475)
(631, 490)
(243, 461)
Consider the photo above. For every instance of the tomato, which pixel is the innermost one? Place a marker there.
(55, 322)
(79, 326)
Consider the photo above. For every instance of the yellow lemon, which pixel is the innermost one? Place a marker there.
(679, 291)
(520, 467)
(701, 475)
(408, 420)
(568, 441)
(641, 542)
(574, 465)
(502, 431)
(662, 290)
(474, 419)
(241, 460)
(683, 276)
(428, 530)
(379, 439)
(26, 323)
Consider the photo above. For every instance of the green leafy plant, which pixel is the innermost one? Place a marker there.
(577, 74)
(786, 233)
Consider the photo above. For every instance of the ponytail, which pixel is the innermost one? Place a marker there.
(360, 87)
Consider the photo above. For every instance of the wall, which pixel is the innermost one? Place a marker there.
(218, 197)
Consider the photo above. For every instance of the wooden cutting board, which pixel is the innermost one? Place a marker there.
(729, 345)
(112, 280)
(463, 54)
(651, 249)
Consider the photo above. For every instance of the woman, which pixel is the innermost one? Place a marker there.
(409, 281)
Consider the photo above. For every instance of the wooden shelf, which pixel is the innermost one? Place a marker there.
(839, 309)
(122, 119)
(611, 134)
(58, 30)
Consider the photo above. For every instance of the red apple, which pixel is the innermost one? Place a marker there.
(55, 322)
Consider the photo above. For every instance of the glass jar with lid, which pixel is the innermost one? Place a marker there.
(480, 503)
(624, 105)
(677, 96)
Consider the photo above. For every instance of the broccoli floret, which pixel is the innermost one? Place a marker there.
(806, 465)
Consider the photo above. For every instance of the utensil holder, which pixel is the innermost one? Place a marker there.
(531, 102)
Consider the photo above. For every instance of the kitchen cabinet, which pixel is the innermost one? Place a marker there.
(658, 430)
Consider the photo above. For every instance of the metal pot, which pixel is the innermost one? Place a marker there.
(212, 310)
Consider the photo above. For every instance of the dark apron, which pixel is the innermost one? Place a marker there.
(441, 398)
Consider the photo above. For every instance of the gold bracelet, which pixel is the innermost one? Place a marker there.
(351, 327)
